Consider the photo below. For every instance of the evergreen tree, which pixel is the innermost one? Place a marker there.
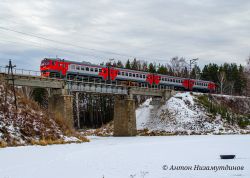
(240, 82)
(195, 72)
(162, 70)
(151, 68)
(127, 66)
(120, 64)
(134, 65)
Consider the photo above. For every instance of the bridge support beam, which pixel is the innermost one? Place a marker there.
(62, 106)
(124, 117)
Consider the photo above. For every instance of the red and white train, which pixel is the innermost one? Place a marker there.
(69, 69)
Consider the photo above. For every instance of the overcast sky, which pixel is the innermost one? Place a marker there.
(153, 30)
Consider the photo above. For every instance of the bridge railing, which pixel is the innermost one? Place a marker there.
(17, 71)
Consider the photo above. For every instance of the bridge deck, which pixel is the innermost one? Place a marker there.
(82, 86)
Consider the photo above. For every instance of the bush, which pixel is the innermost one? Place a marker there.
(243, 122)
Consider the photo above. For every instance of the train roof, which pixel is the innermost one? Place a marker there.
(73, 62)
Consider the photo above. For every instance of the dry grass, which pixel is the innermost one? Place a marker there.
(44, 142)
(3, 144)
(64, 124)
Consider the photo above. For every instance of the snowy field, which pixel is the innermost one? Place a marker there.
(127, 157)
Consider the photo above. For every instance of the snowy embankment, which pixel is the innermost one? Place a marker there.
(182, 114)
(29, 124)
(129, 157)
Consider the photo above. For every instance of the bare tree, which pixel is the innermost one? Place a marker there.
(178, 65)
(247, 76)
(248, 64)
(222, 80)
(231, 86)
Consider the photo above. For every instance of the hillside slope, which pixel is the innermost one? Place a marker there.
(29, 124)
(185, 113)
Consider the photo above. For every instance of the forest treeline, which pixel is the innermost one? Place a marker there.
(229, 77)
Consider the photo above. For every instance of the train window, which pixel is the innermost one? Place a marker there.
(82, 68)
(77, 67)
(144, 76)
(170, 80)
(133, 75)
(122, 73)
(87, 69)
(137, 75)
(130, 74)
(140, 75)
(72, 67)
(91, 69)
(126, 74)
(100, 70)
(119, 73)
(96, 70)
(53, 63)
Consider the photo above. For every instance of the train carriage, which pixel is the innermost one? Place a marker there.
(59, 68)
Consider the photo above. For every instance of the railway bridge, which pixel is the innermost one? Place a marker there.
(61, 96)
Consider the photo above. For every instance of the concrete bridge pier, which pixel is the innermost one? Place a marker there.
(166, 95)
(124, 117)
(61, 104)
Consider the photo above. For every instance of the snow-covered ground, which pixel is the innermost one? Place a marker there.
(182, 114)
(127, 157)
